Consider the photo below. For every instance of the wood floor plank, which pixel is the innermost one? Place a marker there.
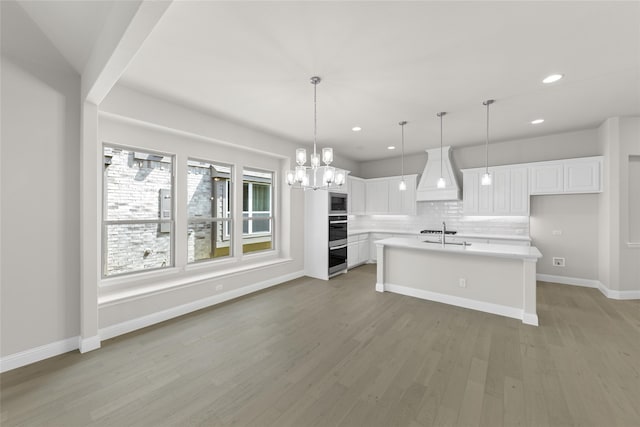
(315, 353)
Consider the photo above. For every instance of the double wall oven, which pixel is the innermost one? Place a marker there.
(337, 233)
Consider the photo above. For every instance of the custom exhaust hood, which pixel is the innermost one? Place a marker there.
(427, 188)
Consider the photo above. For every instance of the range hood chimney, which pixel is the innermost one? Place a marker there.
(427, 188)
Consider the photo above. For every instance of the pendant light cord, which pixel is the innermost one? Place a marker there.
(402, 123)
(487, 143)
(487, 103)
(403, 152)
(315, 81)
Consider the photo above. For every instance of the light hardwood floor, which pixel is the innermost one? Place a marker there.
(337, 353)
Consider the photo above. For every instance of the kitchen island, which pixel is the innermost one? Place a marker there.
(497, 279)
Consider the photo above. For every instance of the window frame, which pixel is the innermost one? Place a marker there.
(105, 222)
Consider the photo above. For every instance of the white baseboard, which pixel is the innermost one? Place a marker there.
(487, 307)
(89, 344)
(161, 316)
(622, 295)
(379, 287)
(37, 354)
(589, 283)
(565, 280)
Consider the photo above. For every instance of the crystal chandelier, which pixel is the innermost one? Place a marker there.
(315, 176)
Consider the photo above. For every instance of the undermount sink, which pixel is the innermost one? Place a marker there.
(448, 243)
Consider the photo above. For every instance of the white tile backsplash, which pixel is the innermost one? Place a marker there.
(431, 214)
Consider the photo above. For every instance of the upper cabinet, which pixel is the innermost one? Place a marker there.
(583, 175)
(570, 176)
(512, 185)
(547, 178)
(508, 194)
(383, 195)
(357, 195)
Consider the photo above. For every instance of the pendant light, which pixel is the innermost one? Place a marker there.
(441, 182)
(315, 176)
(403, 185)
(486, 178)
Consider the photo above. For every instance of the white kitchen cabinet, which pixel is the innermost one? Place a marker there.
(519, 191)
(352, 254)
(403, 202)
(377, 196)
(485, 197)
(583, 175)
(358, 250)
(363, 250)
(569, 176)
(383, 195)
(547, 178)
(507, 195)
(501, 183)
(357, 195)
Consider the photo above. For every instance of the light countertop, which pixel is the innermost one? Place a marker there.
(482, 249)
(417, 233)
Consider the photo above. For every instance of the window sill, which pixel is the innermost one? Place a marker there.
(112, 296)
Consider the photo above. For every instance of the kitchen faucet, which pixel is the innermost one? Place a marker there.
(444, 232)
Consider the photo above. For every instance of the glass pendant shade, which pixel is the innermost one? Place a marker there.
(305, 180)
(301, 172)
(301, 156)
(315, 160)
(291, 177)
(340, 177)
(329, 173)
(441, 183)
(327, 155)
(486, 179)
(402, 186)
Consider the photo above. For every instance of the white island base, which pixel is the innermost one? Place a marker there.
(497, 279)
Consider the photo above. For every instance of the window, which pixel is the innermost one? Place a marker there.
(137, 211)
(257, 211)
(209, 209)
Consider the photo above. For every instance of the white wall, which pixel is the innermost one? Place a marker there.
(564, 145)
(576, 218)
(619, 138)
(40, 272)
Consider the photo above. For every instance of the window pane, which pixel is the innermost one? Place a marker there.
(261, 197)
(135, 247)
(257, 241)
(257, 211)
(138, 185)
(208, 190)
(209, 240)
(245, 196)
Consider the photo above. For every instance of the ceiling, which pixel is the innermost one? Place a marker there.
(72, 26)
(382, 62)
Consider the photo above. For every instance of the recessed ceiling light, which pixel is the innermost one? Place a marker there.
(537, 121)
(391, 147)
(552, 78)
(356, 128)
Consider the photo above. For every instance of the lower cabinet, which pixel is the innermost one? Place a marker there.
(357, 250)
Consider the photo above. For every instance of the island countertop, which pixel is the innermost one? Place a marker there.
(482, 249)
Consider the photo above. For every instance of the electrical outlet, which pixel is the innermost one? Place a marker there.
(558, 262)
(219, 287)
(462, 282)
(556, 232)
